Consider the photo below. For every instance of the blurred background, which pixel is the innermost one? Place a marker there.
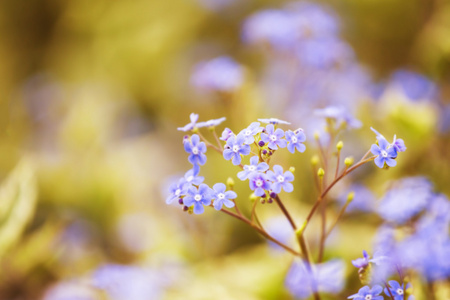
(91, 94)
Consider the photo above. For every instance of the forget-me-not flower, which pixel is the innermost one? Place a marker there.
(254, 166)
(385, 153)
(367, 293)
(365, 260)
(192, 178)
(198, 197)
(273, 121)
(396, 290)
(295, 140)
(222, 197)
(226, 133)
(250, 132)
(234, 148)
(177, 190)
(196, 149)
(398, 144)
(190, 126)
(340, 114)
(274, 138)
(280, 179)
(259, 184)
(211, 123)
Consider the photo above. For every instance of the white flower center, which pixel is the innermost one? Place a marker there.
(235, 148)
(251, 168)
(195, 150)
(280, 178)
(273, 138)
(198, 197)
(368, 297)
(248, 132)
(399, 291)
(384, 153)
(177, 192)
(259, 183)
(221, 196)
(294, 139)
(190, 178)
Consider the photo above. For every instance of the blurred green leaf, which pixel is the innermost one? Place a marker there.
(18, 195)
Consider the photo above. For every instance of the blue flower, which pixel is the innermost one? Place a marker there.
(221, 74)
(250, 132)
(259, 184)
(190, 126)
(414, 85)
(295, 140)
(273, 137)
(340, 115)
(196, 149)
(254, 166)
(396, 290)
(365, 260)
(273, 121)
(198, 197)
(363, 199)
(386, 154)
(211, 123)
(222, 197)
(367, 293)
(328, 277)
(234, 148)
(177, 190)
(226, 133)
(192, 178)
(398, 144)
(280, 180)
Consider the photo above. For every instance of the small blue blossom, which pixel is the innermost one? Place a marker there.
(273, 121)
(280, 180)
(196, 149)
(295, 140)
(177, 190)
(398, 144)
(234, 148)
(221, 74)
(222, 197)
(386, 154)
(226, 133)
(198, 198)
(274, 138)
(365, 260)
(250, 132)
(415, 86)
(190, 126)
(367, 293)
(340, 115)
(396, 289)
(254, 166)
(211, 123)
(192, 178)
(259, 184)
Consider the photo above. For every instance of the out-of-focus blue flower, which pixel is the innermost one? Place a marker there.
(316, 53)
(223, 197)
(129, 282)
(295, 140)
(254, 166)
(273, 121)
(365, 260)
(211, 123)
(234, 148)
(279, 228)
(327, 277)
(259, 184)
(221, 74)
(71, 290)
(363, 199)
(340, 115)
(280, 179)
(414, 85)
(386, 154)
(396, 290)
(398, 144)
(274, 138)
(177, 190)
(192, 178)
(196, 149)
(250, 132)
(198, 197)
(367, 293)
(406, 199)
(226, 133)
(190, 126)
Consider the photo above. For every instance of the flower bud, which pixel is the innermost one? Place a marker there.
(339, 145)
(315, 160)
(292, 169)
(350, 197)
(348, 161)
(316, 135)
(320, 172)
(253, 197)
(230, 182)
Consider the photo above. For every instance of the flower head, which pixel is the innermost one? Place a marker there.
(295, 140)
(250, 132)
(280, 179)
(198, 197)
(398, 144)
(365, 260)
(190, 126)
(222, 197)
(196, 149)
(367, 293)
(273, 121)
(396, 290)
(177, 190)
(234, 148)
(385, 153)
(192, 178)
(259, 184)
(211, 123)
(340, 115)
(254, 166)
(274, 138)
(226, 133)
